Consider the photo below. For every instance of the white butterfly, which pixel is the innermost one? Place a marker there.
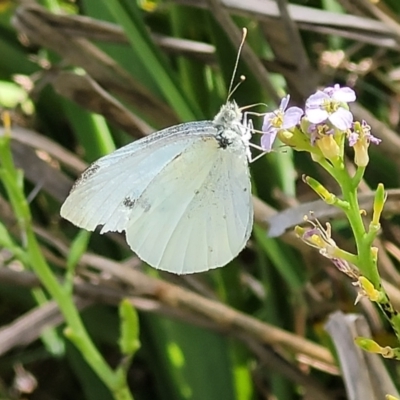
(182, 195)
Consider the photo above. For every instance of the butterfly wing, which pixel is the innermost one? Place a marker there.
(103, 193)
(197, 213)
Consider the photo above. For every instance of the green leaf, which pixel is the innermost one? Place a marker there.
(129, 342)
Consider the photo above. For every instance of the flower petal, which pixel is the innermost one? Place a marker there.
(373, 139)
(316, 100)
(311, 232)
(267, 122)
(284, 103)
(342, 119)
(316, 116)
(267, 140)
(353, 138)
(344, 94)
(292, 117)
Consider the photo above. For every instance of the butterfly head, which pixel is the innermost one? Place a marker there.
(229, 115)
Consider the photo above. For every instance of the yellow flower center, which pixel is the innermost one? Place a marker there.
(277, 121)
(330, 106)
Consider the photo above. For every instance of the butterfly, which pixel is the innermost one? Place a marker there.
(182, 195)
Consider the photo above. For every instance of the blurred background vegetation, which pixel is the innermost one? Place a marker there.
(84, 77)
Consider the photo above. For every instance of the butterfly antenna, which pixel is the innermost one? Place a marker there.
(242, 79)
(231, 91)
(254, 105)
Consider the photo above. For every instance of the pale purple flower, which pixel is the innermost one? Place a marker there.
(320, 238)
(282, 118)
(328, 105)
(359, 138)
(362, 133)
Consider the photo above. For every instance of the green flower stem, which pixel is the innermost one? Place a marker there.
(366, 260)
(13, 183)
(348, 186)
(358, 176)
(366, 263)
(345, 255)
(326, 166)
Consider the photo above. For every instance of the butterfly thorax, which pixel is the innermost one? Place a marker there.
(231, 132)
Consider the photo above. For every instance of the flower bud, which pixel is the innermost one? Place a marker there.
(329, 147)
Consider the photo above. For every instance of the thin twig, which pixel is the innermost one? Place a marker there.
(30, 325)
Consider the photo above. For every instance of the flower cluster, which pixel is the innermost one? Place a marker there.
(321, 128)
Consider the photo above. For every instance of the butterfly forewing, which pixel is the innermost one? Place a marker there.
(101, 194)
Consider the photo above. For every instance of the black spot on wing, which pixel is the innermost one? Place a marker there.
(128, 202)
(90, 171)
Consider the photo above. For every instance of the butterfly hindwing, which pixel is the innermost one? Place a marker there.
(186, 220)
